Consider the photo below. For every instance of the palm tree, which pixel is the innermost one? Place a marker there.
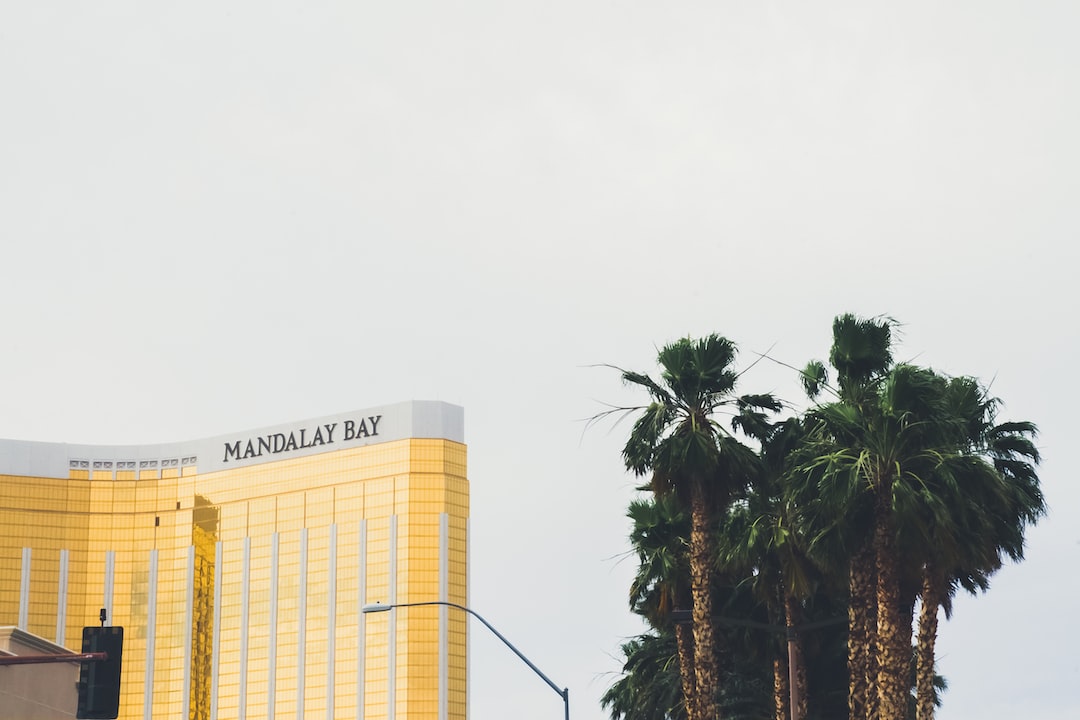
(985, 494)
(659, 537)
(836, 515)
(746, 550)
(901, 451)
(926, 484)
(759, 542)
(878, 446)
(649, 688)
(888, 451)
(679, 442)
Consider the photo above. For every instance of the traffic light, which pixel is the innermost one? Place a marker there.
(99, 680)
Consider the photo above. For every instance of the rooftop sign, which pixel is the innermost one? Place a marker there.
(413, 419)
(305, 438)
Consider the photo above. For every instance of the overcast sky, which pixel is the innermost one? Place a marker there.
(217, 216)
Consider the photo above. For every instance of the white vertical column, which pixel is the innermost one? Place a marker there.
(444, 616)
(361, 600)
(391, 632)
(151, 633)
(301, 635)
(245, 587)
(24, 591)
(110, 575)
(215, 652)
(271, 684)
(62, 599)
(189, 616)
(331, 626)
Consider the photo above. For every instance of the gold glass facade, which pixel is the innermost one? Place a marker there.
(239, 565)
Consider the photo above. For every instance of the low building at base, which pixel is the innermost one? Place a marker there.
(239, 565)
(39, 691)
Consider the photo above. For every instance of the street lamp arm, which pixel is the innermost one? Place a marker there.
(564, 693)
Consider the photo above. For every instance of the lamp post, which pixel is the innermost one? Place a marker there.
(384, 607)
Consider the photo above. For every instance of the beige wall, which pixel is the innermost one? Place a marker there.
(36, 692)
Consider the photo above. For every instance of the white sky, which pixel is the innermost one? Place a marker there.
(218, 216)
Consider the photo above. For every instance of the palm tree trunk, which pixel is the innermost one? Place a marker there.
(684, 645)
(781, 674)
(932, 592)
(781, 689)
(793, 616)
(862, 627)
(706, 667)
(893, 641)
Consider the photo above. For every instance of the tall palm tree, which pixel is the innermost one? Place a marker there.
(888, 451)
(901, 451)
(680, 442)
(986, 492)
(836, 515)
(878, 446)
(906, 453)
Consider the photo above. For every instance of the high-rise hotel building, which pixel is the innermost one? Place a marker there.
(238, 565)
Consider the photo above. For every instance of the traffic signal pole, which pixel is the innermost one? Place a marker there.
(40, 659)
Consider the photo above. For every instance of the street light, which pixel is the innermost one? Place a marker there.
(564, 693)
